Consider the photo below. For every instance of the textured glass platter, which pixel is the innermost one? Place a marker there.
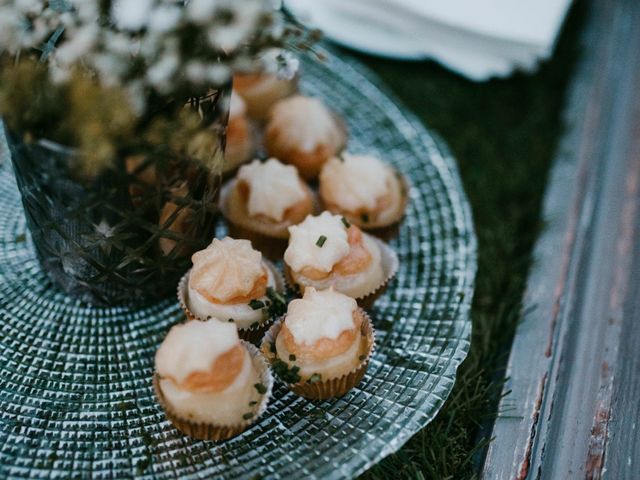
(76, 399)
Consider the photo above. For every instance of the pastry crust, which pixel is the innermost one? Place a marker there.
(364, 190)
(216, 400)
(205, 373)
(303, 132)
(337, 379)
(261, 91)
(228, 271)
(232, 284)
(320, 334)
(353, 265)
(234, 206)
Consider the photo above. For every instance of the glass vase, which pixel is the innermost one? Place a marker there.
(127, 235)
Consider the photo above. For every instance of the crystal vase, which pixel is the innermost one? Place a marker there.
(127, 235)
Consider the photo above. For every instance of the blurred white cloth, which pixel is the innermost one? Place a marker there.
(477, 38)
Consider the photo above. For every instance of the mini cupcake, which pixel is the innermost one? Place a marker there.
(327, 251)
(211, 385)
(230, 281)
(241, 139)
(263, 201)
(262, 90)
(321, 348)
(364, 190)
(303, 132)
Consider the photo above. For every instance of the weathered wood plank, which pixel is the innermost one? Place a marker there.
(572, 364)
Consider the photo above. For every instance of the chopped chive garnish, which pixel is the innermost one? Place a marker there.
(321, 240)
(345, 222)
(365, 217)
(292, 358)
(252, 403)
(277, 305)
(281, 369)
(260, 388)
(247, 416)
(316, 377)
(256, 304)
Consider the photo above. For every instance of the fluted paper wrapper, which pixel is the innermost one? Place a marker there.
(331, 387)
(251, 334)
(209, 431)
(390, 265)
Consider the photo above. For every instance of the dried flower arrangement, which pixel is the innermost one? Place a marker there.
(115, 112)
(112, 77)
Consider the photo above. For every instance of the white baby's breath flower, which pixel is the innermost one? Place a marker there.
(29, 6)
(164, 18)
(85, 10)
(59, 73)
(218, 74)
(195, 71)
(135, 92)
(78, 45)
(201, 11)
(140, 46)
(110, 68)
(131, 14)
(119, 43)
(161, 73)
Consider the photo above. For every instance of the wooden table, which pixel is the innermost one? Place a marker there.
(573, 410)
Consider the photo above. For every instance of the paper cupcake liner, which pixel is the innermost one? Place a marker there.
(252, 334)
(262, 236)
(390, 265)
(208, 431)
(384, 230)
(332, 387)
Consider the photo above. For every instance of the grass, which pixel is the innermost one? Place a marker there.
(503, 134)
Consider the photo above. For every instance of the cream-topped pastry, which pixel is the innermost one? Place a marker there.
(267, 197)
(206, 374)
(230, 280)
(327, 251)
(364, 189)
(303, 132)
(304, 250)
(262, 90)
(273, 188)
(321, 335)
(241, 143)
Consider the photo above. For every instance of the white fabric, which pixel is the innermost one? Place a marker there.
(477, 38)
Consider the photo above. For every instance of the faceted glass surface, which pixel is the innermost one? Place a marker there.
(76, 397)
